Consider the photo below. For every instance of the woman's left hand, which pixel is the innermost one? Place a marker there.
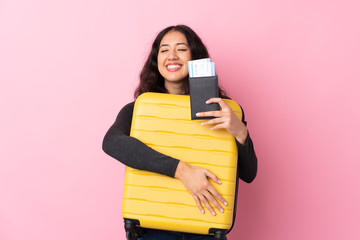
(225, 118)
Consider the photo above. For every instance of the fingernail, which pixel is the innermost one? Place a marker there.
(221, 210)
(219, 182)
(202, 124)
(225, 203)
(213, 213)
(197, 114)
(207, 102)
(202, 211)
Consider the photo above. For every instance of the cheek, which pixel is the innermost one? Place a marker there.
(160, 61)
(188, 57)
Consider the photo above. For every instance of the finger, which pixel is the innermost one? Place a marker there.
(198, 203)
(211, 198)
(213, 121)
(216, 194)
(206, 203)
(213, 190)
(220, 101)
(209, 114)
(213, 100)
(219, 126)
(209, 174)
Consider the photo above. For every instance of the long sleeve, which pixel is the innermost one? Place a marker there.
(247, 160)
(133, 153)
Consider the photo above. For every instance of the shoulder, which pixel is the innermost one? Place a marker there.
(124, 118)
(128, 107)
(126, 111)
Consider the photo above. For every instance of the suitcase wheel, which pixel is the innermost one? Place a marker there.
(133, 232)
(219, 234)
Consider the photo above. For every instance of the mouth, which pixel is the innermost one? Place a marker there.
(173, 67)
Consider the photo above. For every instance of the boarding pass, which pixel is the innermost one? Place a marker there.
(201, 68)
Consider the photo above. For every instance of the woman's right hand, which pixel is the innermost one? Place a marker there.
(195, 180)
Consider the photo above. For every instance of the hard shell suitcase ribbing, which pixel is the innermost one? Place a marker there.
(150, 200)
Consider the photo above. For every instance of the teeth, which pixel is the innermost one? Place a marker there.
(173, 66)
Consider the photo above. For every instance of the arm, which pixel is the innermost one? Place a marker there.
(130, 151)
(134, 153)
(226, 118)
(247, 160)
(196, 179)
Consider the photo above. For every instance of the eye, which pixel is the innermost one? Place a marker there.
(182, 49)
(165, 50)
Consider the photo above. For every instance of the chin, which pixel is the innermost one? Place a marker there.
(176, 79)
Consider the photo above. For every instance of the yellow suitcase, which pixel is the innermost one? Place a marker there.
(163, 122)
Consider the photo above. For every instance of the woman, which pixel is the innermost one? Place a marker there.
(165, 71)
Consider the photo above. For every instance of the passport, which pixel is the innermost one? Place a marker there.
(201, 90)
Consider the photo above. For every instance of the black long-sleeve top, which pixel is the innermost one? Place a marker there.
(133, 153)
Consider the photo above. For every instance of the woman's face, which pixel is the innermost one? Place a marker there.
(173, 55)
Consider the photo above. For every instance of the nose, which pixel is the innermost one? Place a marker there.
(172, 55)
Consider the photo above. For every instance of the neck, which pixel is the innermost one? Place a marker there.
(174, 87)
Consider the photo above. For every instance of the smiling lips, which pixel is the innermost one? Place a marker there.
(173, 67)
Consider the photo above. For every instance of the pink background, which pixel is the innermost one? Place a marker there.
(67, 67)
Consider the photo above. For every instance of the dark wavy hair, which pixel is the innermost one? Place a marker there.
(150, 77)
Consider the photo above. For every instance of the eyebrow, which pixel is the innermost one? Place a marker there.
(166, 45)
